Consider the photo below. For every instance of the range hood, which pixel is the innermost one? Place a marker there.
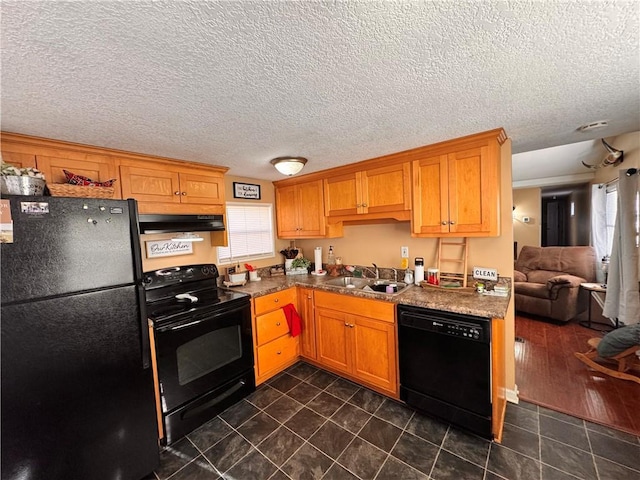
(180, 223)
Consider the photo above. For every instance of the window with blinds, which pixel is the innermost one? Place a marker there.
(250, 233)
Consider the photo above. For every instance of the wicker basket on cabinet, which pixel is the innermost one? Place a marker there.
(68, 190)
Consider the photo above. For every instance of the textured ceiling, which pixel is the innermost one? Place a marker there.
(239, 83)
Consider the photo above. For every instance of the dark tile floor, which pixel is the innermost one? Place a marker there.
(309, 424)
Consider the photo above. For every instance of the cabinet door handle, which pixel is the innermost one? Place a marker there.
(452, 222)
(276, 300)
(176, 193)
(184, 193)
(365, 205)
(277, 324)
(346, 324)
(444, 222)
(279, 352)
(351, 325)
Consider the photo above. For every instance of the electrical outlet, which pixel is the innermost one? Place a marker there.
(404, 252)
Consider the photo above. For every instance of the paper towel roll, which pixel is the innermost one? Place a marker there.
(318, 259)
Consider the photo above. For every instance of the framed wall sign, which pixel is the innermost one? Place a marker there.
(168, 248)
(246, 190)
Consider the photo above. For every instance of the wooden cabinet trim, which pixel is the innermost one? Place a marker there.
(48, 146)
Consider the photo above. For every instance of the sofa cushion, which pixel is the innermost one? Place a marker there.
(578, 261)
(541, 276)
(519, 276)
(530, 289)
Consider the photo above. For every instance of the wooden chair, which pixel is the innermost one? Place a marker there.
(626, 361)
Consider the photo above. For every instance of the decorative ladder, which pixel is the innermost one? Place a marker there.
(453, 254)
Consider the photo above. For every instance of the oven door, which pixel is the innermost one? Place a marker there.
(200, 353)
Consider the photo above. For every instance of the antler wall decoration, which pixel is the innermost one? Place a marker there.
(615, 157)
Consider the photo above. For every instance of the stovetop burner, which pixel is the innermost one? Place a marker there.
(182, 292)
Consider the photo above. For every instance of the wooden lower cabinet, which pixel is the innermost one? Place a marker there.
(363, 347)
(307, 313)
(274, 347)
(334, 345)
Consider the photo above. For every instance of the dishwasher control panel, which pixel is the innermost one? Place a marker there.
(464, 326)
(459, 330)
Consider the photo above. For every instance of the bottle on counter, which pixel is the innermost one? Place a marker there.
(331, 258)
(419, 270)
(408, 276)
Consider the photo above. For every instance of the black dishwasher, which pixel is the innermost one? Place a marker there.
(445, 366)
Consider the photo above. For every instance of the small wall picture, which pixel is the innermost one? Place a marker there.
(248, 191)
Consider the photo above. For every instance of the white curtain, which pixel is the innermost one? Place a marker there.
(622, 300)
(599, 226)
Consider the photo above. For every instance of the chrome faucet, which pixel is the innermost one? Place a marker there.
(375, 272)
(395, 274)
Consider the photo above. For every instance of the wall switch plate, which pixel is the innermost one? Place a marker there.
(482, 273)
(404, 252)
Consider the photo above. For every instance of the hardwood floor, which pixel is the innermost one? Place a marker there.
(548, 374)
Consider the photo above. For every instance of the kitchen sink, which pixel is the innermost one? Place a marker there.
(367, 284)
(348, 282)
(380, 286)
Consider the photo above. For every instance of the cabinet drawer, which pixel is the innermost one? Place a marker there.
(276, 353)
(274, 301)
(271, 326)
(377, 309)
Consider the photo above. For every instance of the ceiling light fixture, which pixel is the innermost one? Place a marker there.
(593, 126)
(289, 165)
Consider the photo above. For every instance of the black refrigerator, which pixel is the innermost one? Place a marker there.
(76, 377)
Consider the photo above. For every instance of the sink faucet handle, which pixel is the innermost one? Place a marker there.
(377, 272)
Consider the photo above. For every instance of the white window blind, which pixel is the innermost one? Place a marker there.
(250, 233)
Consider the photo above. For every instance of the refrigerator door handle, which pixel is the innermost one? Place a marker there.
(144, 328)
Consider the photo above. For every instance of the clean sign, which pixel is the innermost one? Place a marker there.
(482, 273)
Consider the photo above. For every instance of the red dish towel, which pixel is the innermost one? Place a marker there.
(293, 319)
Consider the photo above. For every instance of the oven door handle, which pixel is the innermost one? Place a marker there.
(186, 325)
(205, 318)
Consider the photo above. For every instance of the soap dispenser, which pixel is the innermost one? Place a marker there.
(331, 259)
(408, 276)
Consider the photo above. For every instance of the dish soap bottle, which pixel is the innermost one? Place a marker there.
(331, 259)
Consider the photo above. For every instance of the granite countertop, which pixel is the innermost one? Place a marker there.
(465, 301)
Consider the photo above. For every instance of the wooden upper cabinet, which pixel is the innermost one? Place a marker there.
(98, 168)
(457, 192)
(163, 187)
(202, 187)
(160, 185)
(382, 192)
(342, 195)
(299, 210)
(149, 185)
(20, 160)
